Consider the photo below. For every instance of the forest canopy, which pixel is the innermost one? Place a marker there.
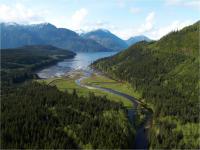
(40, 116)
(35, 115)
(19, 64)
(166, 74)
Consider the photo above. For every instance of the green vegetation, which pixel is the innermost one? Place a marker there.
(165, 73)
(35, 115)
(41, 116)
(184, 136)
(106, 82)
(18, 64)
(68, 84)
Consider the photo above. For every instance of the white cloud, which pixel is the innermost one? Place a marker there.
(89, 26)
(193, 3)
(148, 22)
(175, 25)
(144, 28)
(20, 14)
(77, 19)
(172, 2)
(150, 17)
(121, 3)
(79, 15)
(148, 28)
(95, 25)
(135, 10)
(186, 3)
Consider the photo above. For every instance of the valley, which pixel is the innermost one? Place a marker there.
(138, 113)
(83, 79)
(65, 77)
(88, 80)
(105, 76)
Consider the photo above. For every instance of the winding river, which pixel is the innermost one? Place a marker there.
(141, 141)
(82, 61)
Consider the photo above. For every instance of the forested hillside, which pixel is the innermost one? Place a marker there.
(18, 64)
(39, 116)
(165, 73)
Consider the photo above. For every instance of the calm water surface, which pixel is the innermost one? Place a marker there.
(80, 61)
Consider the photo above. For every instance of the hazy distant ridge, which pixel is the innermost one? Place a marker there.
(15, 35)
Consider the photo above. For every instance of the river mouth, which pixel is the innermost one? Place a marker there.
(80, 62)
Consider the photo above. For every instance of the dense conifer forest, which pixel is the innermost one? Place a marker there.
(19, 64)
(40, 116)
(35, 115)
(166, 75)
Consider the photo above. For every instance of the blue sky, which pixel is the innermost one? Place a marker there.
(125, 18)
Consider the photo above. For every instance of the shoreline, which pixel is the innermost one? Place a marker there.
(79, 75)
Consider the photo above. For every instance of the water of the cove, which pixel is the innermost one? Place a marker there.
(80, 61)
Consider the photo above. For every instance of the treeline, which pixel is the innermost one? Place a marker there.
(40, 116)
(35, 116)
(168, 81)
(18, 65)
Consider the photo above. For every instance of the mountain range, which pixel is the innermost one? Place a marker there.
(107, 39)
(17, 35)
(136, 39)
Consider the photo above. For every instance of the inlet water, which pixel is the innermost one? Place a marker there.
(80, 61)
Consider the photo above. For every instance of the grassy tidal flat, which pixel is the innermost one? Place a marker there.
(106, 82)
(67, 83)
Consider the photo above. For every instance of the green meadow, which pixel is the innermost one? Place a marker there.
(68, 84)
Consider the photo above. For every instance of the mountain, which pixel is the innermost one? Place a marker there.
(106, 38)
(16, 35)
(136, 39)
(165, 76)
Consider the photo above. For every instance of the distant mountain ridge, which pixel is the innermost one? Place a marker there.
(106, 38)
(16, 35)
(136, 39)
(42, 47)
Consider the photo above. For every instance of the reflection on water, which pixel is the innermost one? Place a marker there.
(80, 61)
